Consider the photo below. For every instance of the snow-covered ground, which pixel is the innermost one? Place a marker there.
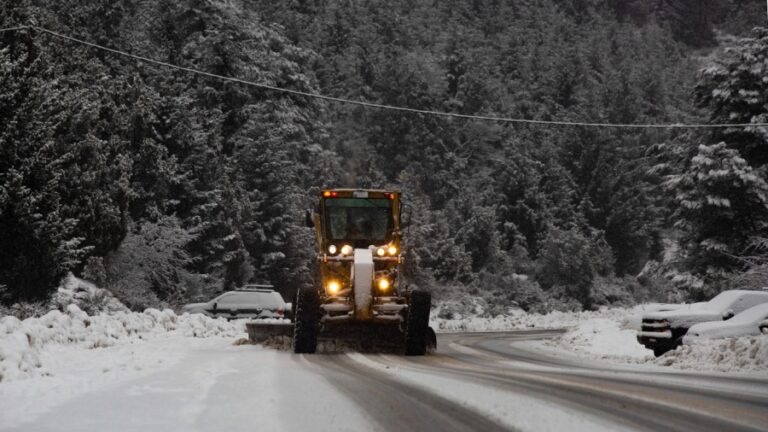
(189, 372)
(56, 369)
(525, 413)
(174, 382)
(519, 319)
(748, 353)
(609, 335)
(23, 344)
(51, 365)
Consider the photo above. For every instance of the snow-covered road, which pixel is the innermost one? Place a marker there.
(642, 397)
(481, 381)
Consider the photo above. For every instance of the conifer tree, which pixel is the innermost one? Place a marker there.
(721, 189)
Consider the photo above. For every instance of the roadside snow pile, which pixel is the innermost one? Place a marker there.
(610, 334)
(747, 353)
(602, 338)
(519, 319)
(22, 341)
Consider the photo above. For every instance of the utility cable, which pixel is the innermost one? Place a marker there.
(389, 107)
(13, 29)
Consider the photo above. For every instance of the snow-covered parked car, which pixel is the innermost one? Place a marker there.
(663, 331)
(251, 301)
(746, 323)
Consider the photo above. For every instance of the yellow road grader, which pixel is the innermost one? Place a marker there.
(359, 292)
(359, 287)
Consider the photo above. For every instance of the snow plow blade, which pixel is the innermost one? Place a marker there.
(259, 332)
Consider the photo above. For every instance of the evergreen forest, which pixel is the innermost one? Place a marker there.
(166, 186)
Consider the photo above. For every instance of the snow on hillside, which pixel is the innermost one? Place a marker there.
(86, 296)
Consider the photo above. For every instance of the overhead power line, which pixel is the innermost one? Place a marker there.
(13, 29)
(388, 107)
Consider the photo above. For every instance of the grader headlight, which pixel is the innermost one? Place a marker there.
(332, 249)
(333, 287)
(381, 251)
(383, 284)
(392, 250)
(346, 250)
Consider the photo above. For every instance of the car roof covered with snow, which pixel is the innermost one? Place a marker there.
(752, 315)
(743, 324)
(736, 300)
(265, 298)
(744, 299)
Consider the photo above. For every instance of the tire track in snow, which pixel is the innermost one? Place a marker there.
(640, 399)
(397, 405)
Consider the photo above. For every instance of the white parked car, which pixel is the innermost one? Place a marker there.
(251, 301)
(663, 331)
(746, 323)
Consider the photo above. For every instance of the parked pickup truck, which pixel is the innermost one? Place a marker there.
(663, 331)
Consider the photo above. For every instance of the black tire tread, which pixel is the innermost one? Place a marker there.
(416, 339)
(306, 321)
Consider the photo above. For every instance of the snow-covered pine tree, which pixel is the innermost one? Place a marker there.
(722, 203)
(721, 191)
(40, 236)
(150, 264)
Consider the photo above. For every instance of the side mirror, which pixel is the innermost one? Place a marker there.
(288, 307)
(728, 314)
(309, 222)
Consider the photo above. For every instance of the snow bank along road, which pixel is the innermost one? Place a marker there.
(476, 381)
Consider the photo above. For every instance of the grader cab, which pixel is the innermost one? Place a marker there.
(359, 287)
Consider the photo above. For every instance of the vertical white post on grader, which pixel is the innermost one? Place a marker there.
(359, 292)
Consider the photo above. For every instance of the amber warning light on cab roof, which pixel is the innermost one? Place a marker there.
(335, 194)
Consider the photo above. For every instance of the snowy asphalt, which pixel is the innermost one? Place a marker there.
(476, 381)
(637, 398)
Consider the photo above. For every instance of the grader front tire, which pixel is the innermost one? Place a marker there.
(416, 337)
(307, 321)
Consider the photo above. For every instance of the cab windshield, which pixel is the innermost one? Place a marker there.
(368, 219)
